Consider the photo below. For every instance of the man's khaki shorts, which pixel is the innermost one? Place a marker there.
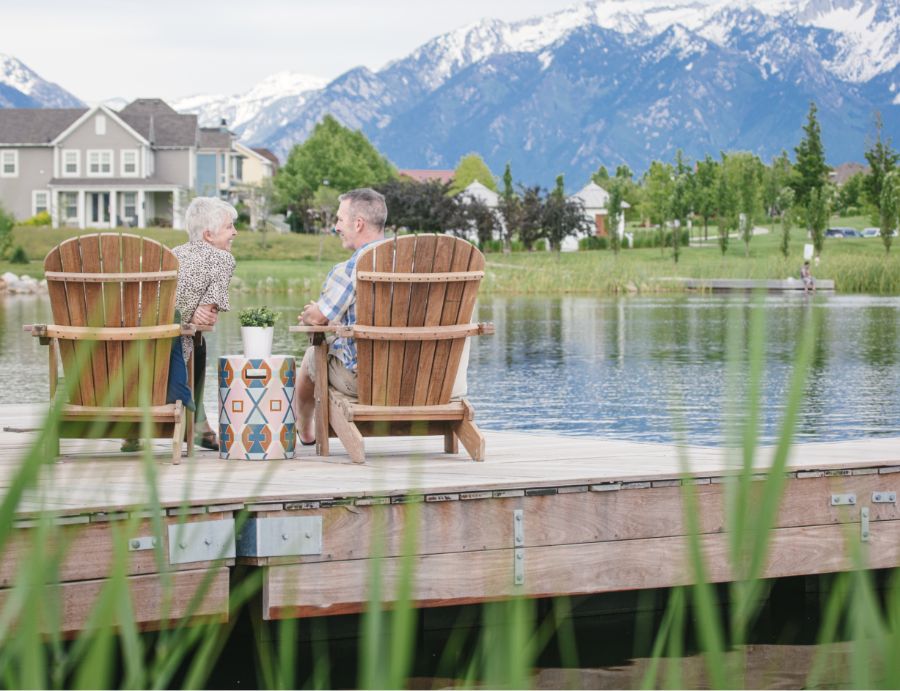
(342, 379)
(339, 377)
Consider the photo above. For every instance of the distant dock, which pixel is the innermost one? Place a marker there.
(717, 285)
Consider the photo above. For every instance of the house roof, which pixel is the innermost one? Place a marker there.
(423, 175)
(265, 153)
(148, 106)
(35, 125)
(592, 196)
(483, 193)
(214, 138)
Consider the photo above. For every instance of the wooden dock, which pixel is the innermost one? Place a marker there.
(543, 515)
(717, 285)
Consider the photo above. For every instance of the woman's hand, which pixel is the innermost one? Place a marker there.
(205, 315)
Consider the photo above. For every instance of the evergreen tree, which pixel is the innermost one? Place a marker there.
(530, 220)
(614, 211)
(658, 187)
(882, 161)
(470, 168)
(810, 169)
(705, 191)
(785, 203)
(817, 213)
(726, 202)
(510, 209)
(601, 177)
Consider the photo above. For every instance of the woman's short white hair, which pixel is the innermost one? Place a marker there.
(207, 213)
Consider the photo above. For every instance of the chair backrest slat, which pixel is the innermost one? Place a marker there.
(94, 312)
(423, 262)
(404, 255)
(131, 315)
(164, 347)
(365, 301)
(70, 253)
(466, 307)
(449, 315)
(111, 260)
(59, 308)
(434, 306)
(384, 261)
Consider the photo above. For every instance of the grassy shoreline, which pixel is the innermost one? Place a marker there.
(297, 264)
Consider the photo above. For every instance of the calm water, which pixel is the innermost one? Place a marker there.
(623, 368)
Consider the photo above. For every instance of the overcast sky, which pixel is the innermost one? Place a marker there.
(99, 49)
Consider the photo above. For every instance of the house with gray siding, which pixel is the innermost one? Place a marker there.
(99, 168)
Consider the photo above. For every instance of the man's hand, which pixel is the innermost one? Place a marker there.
(312, 315)
(205, 315)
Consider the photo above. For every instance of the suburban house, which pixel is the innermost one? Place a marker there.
(100, 168)
(256, 164)
(595, 200)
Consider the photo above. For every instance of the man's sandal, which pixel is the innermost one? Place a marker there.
(207, 440)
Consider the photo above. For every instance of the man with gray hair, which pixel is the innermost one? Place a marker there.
(361, 216)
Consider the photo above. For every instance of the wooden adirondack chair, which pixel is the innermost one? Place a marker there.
(113, 303)
(415, 297)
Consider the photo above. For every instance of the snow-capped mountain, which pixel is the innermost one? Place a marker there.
(22, 87)
(626, 81)
(272, 103)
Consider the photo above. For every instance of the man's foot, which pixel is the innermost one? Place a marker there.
(207, 440)
(131, 445)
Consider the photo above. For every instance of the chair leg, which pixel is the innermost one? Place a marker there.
(471, 437)
(451, 441)
(323, 405)
(177, 432)
(349, 435)
(51, 446)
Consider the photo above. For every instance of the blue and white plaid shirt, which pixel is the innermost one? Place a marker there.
(338, 303)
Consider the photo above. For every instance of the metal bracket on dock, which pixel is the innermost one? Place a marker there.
(884, 497)
(139, 544)
(843, 499)
(201, 541)
(519, 551)
(280, 537)
(864, 524)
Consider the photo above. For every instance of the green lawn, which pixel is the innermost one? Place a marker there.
(299, 263)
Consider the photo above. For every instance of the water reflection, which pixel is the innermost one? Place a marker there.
(612, 367)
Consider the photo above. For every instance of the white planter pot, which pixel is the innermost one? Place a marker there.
(257, 341)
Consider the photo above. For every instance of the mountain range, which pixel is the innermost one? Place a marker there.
(607, 82)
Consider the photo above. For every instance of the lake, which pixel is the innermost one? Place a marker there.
(622, 367)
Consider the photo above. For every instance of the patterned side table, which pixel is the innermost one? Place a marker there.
(256, 407)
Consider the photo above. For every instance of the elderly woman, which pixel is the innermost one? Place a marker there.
(205, 268)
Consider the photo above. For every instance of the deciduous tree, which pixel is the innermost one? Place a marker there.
(470, 168)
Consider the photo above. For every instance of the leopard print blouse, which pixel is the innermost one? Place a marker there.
(204, 273)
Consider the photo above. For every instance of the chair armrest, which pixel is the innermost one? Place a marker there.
(189, 329)
(204, 328)
(324, 328)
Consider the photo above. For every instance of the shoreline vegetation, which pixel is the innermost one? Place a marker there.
(298, 263)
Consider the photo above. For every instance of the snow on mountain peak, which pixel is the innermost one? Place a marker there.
(36, 90)
(15, 74)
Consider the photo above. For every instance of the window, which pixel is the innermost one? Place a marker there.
(40, 202)
(9, 164)
(129, 163)
(223, 170)
(129, 204)
(99, 163)
(69, 203)
(71, 163)
(100, 124)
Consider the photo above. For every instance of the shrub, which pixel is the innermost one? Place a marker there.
(159, 222)
(41, 219)
(593, 242)
(19, 256)
(258, 316)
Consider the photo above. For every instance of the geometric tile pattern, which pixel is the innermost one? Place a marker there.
(256, 407)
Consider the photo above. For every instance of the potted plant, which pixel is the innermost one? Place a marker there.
(257, 331)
